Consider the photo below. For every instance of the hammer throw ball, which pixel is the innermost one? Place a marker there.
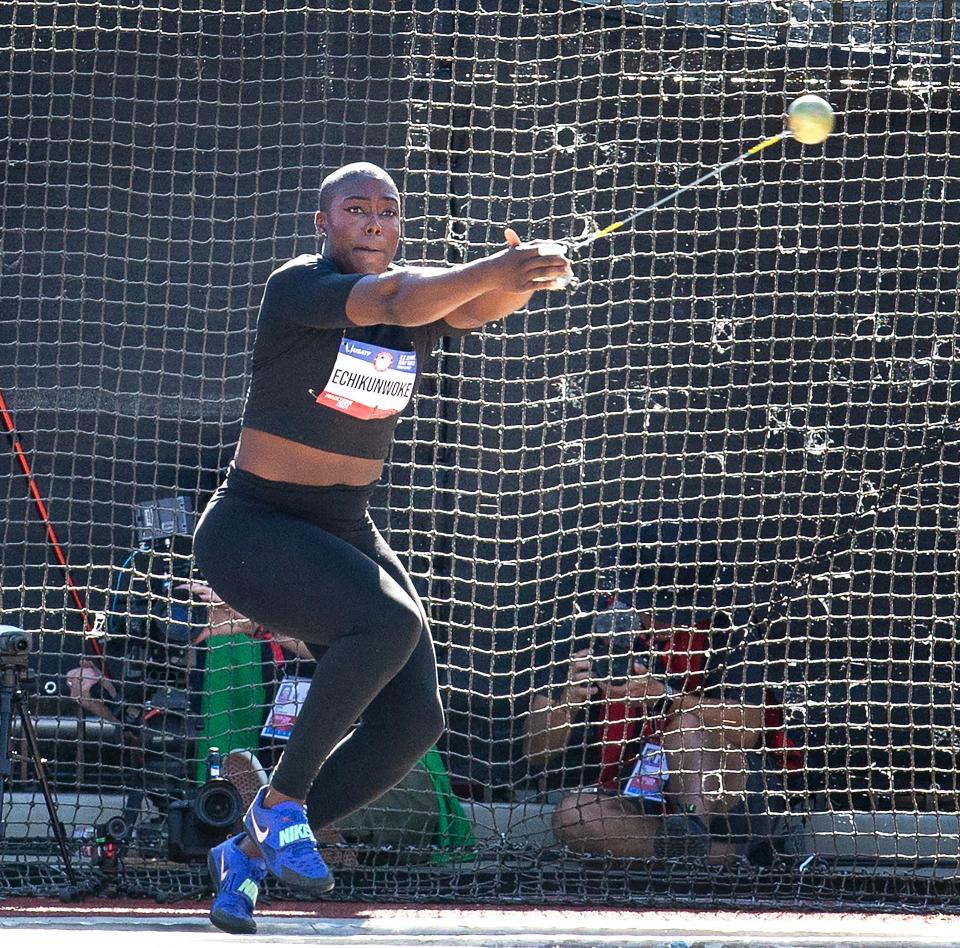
(810, 119)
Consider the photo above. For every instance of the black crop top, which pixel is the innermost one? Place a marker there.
(319, 379)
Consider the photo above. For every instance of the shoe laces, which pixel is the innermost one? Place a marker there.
(304, 858)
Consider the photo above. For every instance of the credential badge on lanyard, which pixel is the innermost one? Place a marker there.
(650, 774)
(291, 694)
(369, 381)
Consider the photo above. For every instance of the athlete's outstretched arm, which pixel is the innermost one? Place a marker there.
(418, 296)
(495, 304)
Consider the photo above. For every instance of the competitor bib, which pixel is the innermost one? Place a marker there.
(369, 381)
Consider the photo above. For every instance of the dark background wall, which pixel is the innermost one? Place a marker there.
(751, 367)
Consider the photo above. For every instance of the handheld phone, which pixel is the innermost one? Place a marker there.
(615, 658)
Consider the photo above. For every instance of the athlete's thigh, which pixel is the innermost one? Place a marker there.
(286, 573)
(419, 674)
(377, 548)
(371, 543)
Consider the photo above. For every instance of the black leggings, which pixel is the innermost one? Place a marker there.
(309, 562)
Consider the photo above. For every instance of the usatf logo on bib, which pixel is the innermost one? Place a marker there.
(370, 381)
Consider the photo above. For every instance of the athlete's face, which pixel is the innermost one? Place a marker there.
(361, 227)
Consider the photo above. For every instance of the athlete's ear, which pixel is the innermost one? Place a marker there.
(320, 219)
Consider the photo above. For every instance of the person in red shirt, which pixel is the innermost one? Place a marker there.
(664, 760)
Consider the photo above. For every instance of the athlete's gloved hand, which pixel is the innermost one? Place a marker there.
(546, 248)
(523, 268)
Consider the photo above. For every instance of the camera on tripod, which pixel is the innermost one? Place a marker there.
(205, 818)
(14, 657)
(14, 644)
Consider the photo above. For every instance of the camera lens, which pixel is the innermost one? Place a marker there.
(13, 641)
(115, 829)
(218, 804)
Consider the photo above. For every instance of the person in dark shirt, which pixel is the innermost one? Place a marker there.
(663, 760)
(287, 538)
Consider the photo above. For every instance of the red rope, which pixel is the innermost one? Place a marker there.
(21, 457)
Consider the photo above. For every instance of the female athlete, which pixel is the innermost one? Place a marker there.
(287, 539)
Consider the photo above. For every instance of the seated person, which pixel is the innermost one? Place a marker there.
(124, 686)
(418, 813)
(96, 693)
(664, 759)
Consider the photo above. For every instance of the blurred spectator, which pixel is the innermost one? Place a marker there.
(146, 674)
(661, 727)
(96, 693)
(145, 682)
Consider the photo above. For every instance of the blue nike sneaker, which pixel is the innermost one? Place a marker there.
(288, 845)
(236, 880)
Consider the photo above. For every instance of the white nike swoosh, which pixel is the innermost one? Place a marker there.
(259, 833)
(223, 866)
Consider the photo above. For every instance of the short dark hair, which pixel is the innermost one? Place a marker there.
(358, 169)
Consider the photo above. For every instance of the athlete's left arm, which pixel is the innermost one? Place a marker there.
(486, 308)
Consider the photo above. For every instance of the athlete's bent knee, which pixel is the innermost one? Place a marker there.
(424, 723)
(433, 723)
(400, 624)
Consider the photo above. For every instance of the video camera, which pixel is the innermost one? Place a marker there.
(155, 619)
(613, 650)
(160, 617)
(205, 818)
(14, 642)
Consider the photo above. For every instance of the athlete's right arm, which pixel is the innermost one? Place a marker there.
(416, 296)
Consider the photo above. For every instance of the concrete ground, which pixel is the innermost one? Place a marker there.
(99, 924)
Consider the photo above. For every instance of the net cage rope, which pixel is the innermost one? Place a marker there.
(742, 418)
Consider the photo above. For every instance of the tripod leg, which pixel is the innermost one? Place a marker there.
(41, 772)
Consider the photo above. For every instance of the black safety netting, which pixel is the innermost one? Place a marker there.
(728, 451)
